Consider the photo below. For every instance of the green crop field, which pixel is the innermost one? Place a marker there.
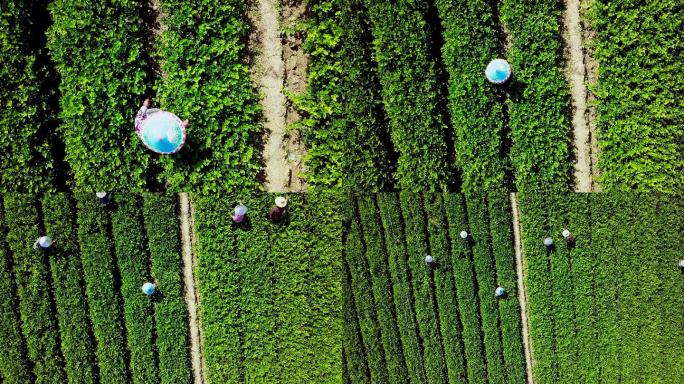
(406, 322)
(270, 296)
(393, 94)
(609, 309)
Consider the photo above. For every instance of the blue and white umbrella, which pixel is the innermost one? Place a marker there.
(499, 292)
(498, 71)
(163, 132)
(148, 288)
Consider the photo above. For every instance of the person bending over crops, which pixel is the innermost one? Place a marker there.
(145, 111)
(277, 212)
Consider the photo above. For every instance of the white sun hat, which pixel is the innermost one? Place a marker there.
(464, 234)
(45, 241)
(240, 210)
(100, 195)
(548, 241)
(280, 202)
(566, 233)
(428, 259)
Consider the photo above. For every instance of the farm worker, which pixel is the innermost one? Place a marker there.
(548, 243)
(464, 235)
(499, 292)
(44, 242)
(103, 196)
(429, 261)
(569, 238)
(681, 265)
(149, 288)
(146, 111)
(239, 213)
(498, 71)
(278, 211)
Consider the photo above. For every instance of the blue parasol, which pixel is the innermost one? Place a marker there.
(163, 133)
(148, 288)
(498, 71)
(499, 292)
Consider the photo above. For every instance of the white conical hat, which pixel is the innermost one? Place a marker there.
(240, 210)
(464, 234)
(45, 241)
(428, 259)
(100, 195)
(280, 202)
(548, 241)
(566, 233)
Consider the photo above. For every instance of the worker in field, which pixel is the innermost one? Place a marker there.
(430, 261)
(500, 293)
(548, 243)
(103, 197)
(569, 238)
(278, 211)
(43, 243)
(239, 214)
(160, 131)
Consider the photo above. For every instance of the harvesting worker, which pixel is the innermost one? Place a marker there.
(43, 242)
(276, 213)
(160, 131)
(239, 214)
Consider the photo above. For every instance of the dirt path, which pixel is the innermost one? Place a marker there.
(591, 66)
(191, 297)
(575, 73)
(522, 293)
(281, 173)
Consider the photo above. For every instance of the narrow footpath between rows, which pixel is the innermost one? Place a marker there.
(576, 74)
(522, 293)
(191, 297)
(280, 161)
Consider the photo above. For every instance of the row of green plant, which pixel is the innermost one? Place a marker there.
(476, 106)
(538, 100)
(599, 310)
(32, 275)
(638, 50)
(204, 79)
(269, 291)
(77, 344)
(444, 321)
(344, 124)
(98, 51)
(163, 242)
(75, 312)
(133, 265)
(25, 152)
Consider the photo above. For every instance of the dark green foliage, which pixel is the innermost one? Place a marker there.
(77, 346)
(206, 81)
(14, 365)
(344, 125)
(97, 50)
(25, 156)
(640, 82)
(38, 321)
(161, 227)
(133, 262)
(539, 100)
(411, 93)
(104, 300)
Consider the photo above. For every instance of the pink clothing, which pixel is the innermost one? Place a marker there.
(238, 218)
(142, 114)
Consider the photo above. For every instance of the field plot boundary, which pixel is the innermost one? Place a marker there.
(191, 296)
(522, 293)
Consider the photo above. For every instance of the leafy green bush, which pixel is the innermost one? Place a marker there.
(38, 322)
(640, 109)
(97, 49)
(68, 286)
(539, 101)
(410, 93)
(14, 364)
(104, 300)
(344, 126)
(475, 105)
(133, 266)
(25, 153)
(205, 80)
(161, 227)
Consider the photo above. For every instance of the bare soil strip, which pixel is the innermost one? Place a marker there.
(591, 66)
(575, 72)
(522, 293)
(191, 297)
(270, 78)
